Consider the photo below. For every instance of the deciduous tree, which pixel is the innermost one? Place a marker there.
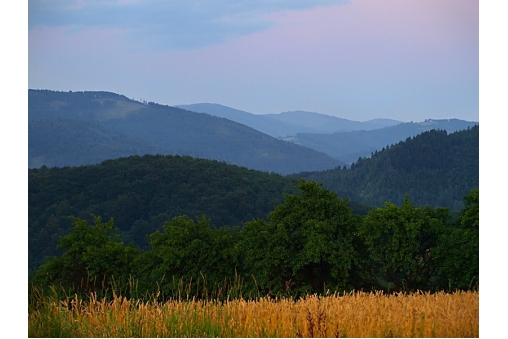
(93, 260)
(306, 246)
(400, 243)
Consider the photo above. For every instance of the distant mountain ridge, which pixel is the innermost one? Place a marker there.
(329, 124)
(288, 123)
(349, 146)
(117, 126)
(341, 139)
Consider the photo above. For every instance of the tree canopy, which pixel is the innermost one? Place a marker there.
(310, 243)
(400, 242)
(94, 259)
(306, 244)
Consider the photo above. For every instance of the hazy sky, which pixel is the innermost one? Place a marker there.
(359, 59)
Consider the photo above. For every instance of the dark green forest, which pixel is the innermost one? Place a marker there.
(434, 168)
(310, 243)
(143, 192)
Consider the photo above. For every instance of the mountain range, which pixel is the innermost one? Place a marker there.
(289, 123)
(81, 128)
(341, 139)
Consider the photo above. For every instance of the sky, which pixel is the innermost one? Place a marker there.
(359, 59)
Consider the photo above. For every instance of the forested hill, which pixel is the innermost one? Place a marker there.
(434, 168)
(79, 128)
(349, 146)
(142, 192)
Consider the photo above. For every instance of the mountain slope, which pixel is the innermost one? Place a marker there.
(349, 146)
(166, 129)
(65, 142)
(433, 168)
(288, 123)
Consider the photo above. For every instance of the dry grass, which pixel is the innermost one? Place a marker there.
(351, 315)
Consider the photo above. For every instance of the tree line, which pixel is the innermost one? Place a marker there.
(310, 243)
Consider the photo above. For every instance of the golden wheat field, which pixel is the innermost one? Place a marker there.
(351, 315)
